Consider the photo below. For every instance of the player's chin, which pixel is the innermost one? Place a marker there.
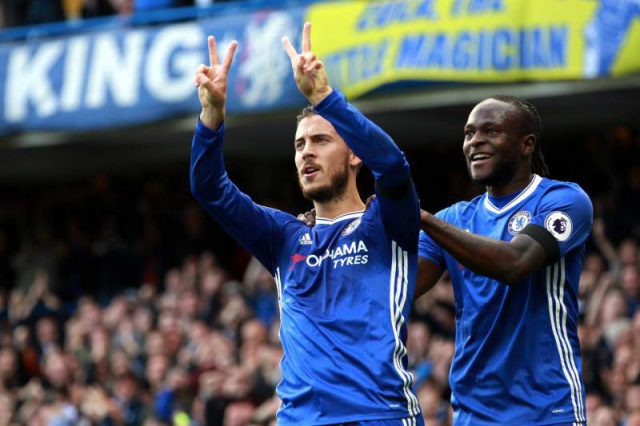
(481, 174)
(307, 187)
(316, 191)
(482, 177)
(308, 183)
(309, 190)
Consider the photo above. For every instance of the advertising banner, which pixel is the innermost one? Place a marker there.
(369, 44)
(120, 77)
(130, 75)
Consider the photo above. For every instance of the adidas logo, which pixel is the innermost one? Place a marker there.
(306, 240)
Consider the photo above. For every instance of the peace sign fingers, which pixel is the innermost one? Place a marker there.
(306, 38)
(297, 61)
(214, 59)
(309, 72)
(306, 43)
(228, 58)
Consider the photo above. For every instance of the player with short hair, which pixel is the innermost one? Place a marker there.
(514, 255)
(345, 286)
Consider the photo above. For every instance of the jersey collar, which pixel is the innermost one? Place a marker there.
(342, 217)
(523, 196)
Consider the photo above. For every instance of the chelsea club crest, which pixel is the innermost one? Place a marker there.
(518, 221)
(351, 227)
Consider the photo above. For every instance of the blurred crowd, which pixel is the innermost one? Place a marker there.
(122, 304)
(204, 351)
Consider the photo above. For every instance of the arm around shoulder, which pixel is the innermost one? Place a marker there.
(507, 262)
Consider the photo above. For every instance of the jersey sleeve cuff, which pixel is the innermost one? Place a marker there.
(208, 133)
(546, 240)
(326, 103)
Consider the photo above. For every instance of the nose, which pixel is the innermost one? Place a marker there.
(476, 140)
(308, 151)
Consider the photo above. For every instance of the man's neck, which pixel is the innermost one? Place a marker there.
(517, 183)
(347, 203)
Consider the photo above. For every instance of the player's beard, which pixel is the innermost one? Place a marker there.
(335, 189)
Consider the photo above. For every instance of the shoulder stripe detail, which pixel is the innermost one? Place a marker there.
(397, 298)
(533, 185)
(346, 216)
(558, 318)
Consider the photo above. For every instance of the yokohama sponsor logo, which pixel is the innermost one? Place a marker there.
(344, 255)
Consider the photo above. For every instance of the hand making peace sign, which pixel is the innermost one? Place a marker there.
(211, 82)
(309, 72)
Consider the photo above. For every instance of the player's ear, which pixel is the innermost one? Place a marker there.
(354, 160)
(529, 144)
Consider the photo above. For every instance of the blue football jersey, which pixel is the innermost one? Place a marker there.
(517, 357)
(344, 286)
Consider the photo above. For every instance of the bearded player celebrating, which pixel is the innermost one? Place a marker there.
(345, 285)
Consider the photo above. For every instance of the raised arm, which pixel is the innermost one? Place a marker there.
(257, 228)
(397, 197)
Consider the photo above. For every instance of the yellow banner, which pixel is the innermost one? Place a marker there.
(368, 44)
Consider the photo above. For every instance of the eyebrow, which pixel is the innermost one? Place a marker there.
(483, 124)
(315, 135)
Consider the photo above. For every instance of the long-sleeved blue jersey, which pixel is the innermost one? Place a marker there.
(345, 285)
(517, 358)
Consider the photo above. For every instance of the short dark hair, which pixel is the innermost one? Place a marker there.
(530, 124)
(307, 111)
